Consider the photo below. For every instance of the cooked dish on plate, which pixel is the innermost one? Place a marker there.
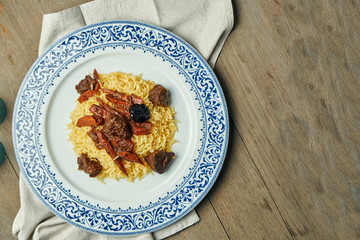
(122, 126)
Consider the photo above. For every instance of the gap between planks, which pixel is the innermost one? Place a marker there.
(262, 179)
(7, 158)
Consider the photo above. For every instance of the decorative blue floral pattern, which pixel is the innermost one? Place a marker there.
(120, 34)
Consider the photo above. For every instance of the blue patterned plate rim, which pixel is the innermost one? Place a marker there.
(214, 113)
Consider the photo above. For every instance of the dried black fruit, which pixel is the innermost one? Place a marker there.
(139, 113)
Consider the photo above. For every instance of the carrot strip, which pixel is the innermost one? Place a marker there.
(131, 157)
(86, 121)
(86, 95)
(96, 77)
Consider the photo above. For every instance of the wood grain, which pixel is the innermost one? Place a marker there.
(209, 227)
(242, 200)
(9, 198)
(15, 18)
(295, 102)
(291, 74)
(15, 62)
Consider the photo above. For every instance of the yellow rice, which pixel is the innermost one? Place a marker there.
(161, 136)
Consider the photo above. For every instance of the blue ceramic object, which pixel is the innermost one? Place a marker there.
(2, 153)
(151, 209)
(2, 110)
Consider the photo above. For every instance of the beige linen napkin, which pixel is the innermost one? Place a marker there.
(205, 24)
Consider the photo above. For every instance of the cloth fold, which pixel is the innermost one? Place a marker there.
(203, 24)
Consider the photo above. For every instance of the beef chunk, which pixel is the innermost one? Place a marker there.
(88, 83)
(135, 99)
(140, 128)
(116, 95)
(101, 142)
(123, 110)
(92, 134)
(116, 127)
(91, 167)
(159, 96)
(159, 160)
(122, 145)
(99, 113)
(108, 110)
(106, 144)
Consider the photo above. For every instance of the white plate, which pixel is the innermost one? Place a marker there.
(47, 96)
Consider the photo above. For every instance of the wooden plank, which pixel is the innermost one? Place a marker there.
(241, 198)
(26, 16)
(290, 70)
(30, 32)
(20, 27)
(293, 88)
(15, 62)
(9, 198)
(209, 227)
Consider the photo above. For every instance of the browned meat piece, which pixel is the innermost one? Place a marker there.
(135, 99)
(99, 113)
(108, 108)
(116, 94)
(91, 167)
(115, 100)
(88, 83)
(106, 144)
(118, 162)
(159, 96)
(101, 142)
(122, 145)
(93, 135)
(159, 160)
(119, 105)
(123, 110)
(140, 128)
(121, 102)
(122, 96)
(116, 127)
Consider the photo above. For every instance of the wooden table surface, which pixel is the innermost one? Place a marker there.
(290, 71)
